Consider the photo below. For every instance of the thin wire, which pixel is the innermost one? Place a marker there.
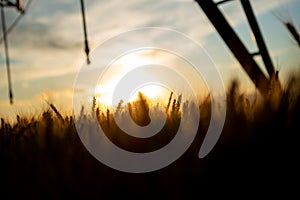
(13, 25)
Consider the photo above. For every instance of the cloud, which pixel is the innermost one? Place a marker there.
(48, 41)
(33, 106)
(50, 35)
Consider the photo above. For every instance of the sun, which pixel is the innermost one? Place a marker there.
(154, 93)
(105, 89)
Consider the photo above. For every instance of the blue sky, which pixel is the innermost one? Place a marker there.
(46, 48)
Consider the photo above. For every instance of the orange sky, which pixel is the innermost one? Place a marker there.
(46, 48)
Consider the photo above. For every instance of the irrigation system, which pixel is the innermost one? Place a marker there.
(217, 19)
(18, 5)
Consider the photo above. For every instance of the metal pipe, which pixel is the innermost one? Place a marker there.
(6, 55)
(235, 45)
(87, 50)
(258, 36)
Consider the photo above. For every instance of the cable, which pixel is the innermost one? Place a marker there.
(13, 25)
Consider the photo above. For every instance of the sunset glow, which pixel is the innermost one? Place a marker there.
(104, 91)
(45, 57)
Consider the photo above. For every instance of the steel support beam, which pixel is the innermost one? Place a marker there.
(258, 36)
(235, 45)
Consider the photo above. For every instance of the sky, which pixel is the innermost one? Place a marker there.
(46, 47)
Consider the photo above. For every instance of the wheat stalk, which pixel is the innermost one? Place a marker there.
(59, 116)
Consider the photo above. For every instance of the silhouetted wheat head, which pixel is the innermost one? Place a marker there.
(46, 148)
(288, 23)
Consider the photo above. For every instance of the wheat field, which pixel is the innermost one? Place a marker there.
(43, 157)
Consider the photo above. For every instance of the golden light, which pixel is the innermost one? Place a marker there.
(106, 87)
(154, 93)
